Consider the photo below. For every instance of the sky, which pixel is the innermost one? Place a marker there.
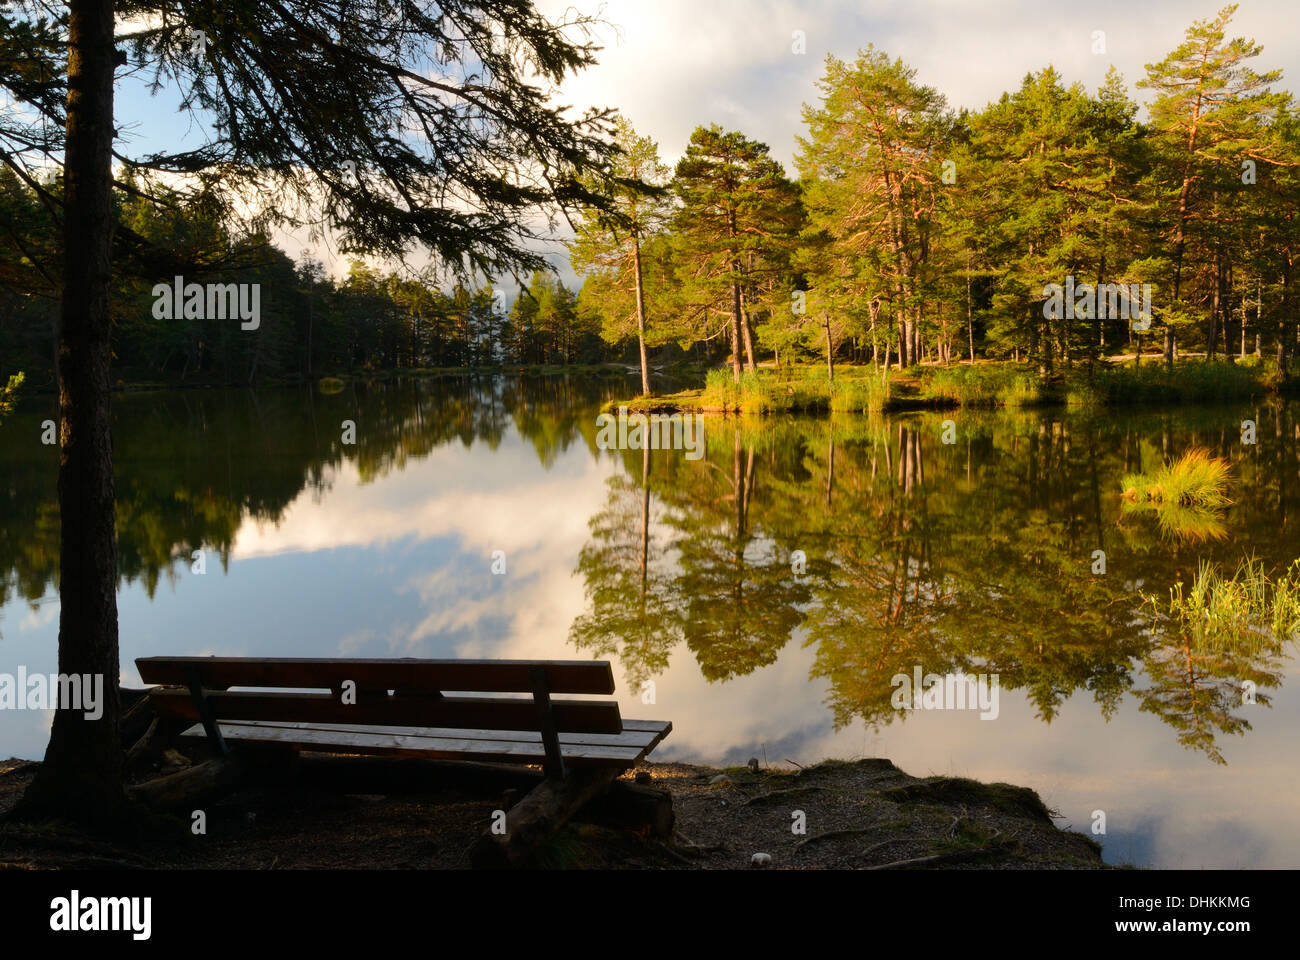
(672, 65)
(676, 64)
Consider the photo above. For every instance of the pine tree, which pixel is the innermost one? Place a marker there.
(738, 211)
(1208, 113)
(608, 248)
(877, 142)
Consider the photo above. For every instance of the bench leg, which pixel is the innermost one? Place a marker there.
(194, 680)
(554, 764)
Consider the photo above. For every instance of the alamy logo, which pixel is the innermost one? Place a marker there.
(953, 691)
(1104, 301)
(40, 691)
(76, 913)
(655, 432)
(213, 301)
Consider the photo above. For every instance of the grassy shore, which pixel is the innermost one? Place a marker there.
(858, 389)
(137, 382)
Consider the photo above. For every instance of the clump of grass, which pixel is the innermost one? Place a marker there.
(868, 394)
(1219, 611)
(986, 385)
(1024, 390)
(720, 390)
(1082, 393)
(330, 385)
(760, 392)
(1195, 479)
(748, 395)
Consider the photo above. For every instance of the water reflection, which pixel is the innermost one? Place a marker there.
(974, 556)
(193, 466)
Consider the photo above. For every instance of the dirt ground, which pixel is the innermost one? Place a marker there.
(864, 814)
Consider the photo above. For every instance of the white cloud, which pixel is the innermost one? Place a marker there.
(682, 63)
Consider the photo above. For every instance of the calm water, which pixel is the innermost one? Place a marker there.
(972, 556)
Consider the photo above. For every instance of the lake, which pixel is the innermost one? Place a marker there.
(477, 517)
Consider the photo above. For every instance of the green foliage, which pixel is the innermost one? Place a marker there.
(367, 321)
(1185, 382)
(733, 231)
(10, 392)
(1218, 612)
(872, 168)
(921, 234)
(610, 249)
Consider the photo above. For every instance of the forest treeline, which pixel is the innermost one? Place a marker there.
(310, 324)
(911, 233)
(914, 232)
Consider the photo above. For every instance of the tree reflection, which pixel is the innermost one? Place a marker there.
(194, 465)
(976, 556)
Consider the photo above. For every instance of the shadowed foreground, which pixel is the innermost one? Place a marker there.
(861, 814)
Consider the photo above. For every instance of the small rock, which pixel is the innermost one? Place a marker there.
(760, 860)
(720, 778)
(643, 776)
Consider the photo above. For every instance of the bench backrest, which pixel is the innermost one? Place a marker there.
(404, 692)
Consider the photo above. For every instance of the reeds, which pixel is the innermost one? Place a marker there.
(1218, 611)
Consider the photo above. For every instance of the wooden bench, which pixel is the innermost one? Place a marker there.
(435, 709)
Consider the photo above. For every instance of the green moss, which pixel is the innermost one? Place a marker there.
(1018, 801)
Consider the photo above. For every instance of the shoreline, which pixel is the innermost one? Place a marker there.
(986, 385)
(345, 813)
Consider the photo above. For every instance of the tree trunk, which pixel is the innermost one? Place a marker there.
(640, 317)
(970, 321)
(311, 317)
(748, 337)
(82, 776)
(735, 332)
(830, 353)
(1211, 341)
(1281, 324)
(1259, 317)
(1040, 344)
(875, 346)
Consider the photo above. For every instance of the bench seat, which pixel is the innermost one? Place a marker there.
(621, 750)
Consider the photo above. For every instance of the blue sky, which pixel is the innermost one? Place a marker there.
(671, 65)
